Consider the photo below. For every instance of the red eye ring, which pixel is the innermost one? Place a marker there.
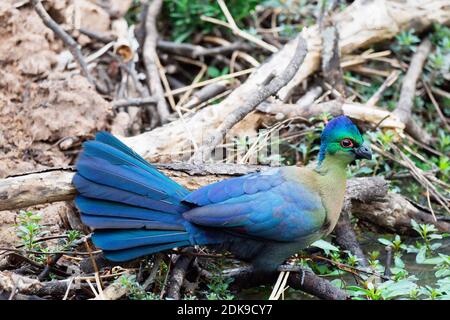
(346, 143)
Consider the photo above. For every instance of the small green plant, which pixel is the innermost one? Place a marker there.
(29, 229)
(396, 244)
(218, 286)
(406, 42)
(135, 290)
(213, 72)
(185, 15)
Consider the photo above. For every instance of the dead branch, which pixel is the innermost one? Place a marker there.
(390, 80)
(367, 22)
(65, 37)
(358, 111)
(136, 102)
(405, 103)
(393, 213)
(102, 37)
(265, 90)
(151, 58)
(206, 93)
(346, 237)
(360, 24)
(195, 51)
(29, 190)
(12, 282)
(306, 281)
(331, 65)
(177, 276)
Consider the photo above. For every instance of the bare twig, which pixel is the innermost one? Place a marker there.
(404, 107)
(206, 93)
(306, 281)
(65, 37)
(177, 276)
(231, 24)
(262, 93)
(134, 102)
(330, 59)
(195, 51)
(436, 105)
(386, 84)
(346, 237)
(102, 37)
(150, 60)
(387, 268)
(210, 81)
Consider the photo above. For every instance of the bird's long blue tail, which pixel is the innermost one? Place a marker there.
(135, 209)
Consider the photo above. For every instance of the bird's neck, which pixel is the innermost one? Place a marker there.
(332, 166)
(332, 177)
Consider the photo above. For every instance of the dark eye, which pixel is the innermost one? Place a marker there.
(347, 143)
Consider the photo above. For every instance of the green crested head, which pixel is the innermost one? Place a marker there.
(341, 140)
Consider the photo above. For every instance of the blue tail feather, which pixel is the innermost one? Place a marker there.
(107, 209)
(133, 253)
(95, 190)
(117, 157)
(104, 222)
(133, 208)
(131, 238)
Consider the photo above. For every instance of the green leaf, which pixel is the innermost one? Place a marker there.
(324, 245)
(386, 242)
(391, 289)
(421, 255)
(399, 262)
(213, 72)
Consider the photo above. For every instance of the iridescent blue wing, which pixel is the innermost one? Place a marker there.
(267, 205)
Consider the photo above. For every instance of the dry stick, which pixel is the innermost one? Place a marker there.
(65, 37)
(261, 93)
(206, 93)
(151, 278)
(136, 102)
(150, 60)
(177, 276)
(346, 237)
(210, 81)
(331, 66)
(390, 80)
(91, 58)
(436, 105)
(421, 178)
(99, 36)
(233, 26)
(306, 281)
(387, 268)
(195, 51)
(53, 260)
(243, 55)
(440, 92)
(405, 104)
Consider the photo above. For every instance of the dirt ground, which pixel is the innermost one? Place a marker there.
(42, 110)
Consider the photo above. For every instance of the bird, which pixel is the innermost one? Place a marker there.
(263, 218)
